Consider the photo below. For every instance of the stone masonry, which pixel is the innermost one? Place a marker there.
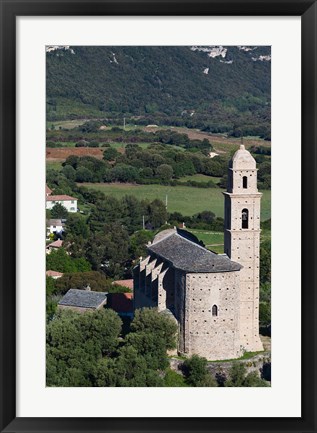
(213, 297)
(242, 241)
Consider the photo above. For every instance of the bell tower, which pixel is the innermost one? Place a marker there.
(242, 241)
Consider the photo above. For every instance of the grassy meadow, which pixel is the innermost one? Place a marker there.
(183, 199)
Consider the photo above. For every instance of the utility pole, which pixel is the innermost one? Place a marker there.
(166, 205)
(143, 223)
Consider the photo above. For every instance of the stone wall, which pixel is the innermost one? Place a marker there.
(260, 363)
(211, 336)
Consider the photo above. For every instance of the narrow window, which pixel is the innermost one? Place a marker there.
(245, 182)
(245, 218)
(214, 310)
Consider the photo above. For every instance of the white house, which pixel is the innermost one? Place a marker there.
(55, 226)
(70, 203)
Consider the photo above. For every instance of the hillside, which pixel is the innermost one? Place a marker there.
(218, 89)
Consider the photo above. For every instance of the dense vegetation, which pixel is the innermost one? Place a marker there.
(168, 157)
(100, 245)
(162, 85)
(90, 350)
(142, 86)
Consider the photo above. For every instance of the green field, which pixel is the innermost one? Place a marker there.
(214, 241)
(54, 165)
(67, 124)
(200, 178)
(144, 145)
(184, 199)
(123, 145)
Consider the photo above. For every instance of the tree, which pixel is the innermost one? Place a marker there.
(173, 379)
(97, 281)
(59, 211)
(157, 214)
(239, 378)
(164, 172)
(132, 212)
(51, 304)
(253, 380)
(105, 211)
(69, 172)
(76, 225)
(93, 143)
(237, 375)
(150, 320)
(265, 313)
(109, 251)
(60, 261)
(75, 343)
(110, 154)
(83, 174)
(196, 373)
(132, 370)
(152, 347)
(152, 334)
(71, 160)
(138, 242)
(265, 262)
(124, 173)
(81, 143)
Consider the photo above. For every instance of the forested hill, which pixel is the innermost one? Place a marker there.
(205, 86)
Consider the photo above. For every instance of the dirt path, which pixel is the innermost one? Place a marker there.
(61, 153)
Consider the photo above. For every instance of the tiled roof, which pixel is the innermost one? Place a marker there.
(48, 190)
(54, 274)
(60, 198)
(124, 283)
(55, 222)
(83, 298)
(55, 244)
(121, 302)
(186, 255)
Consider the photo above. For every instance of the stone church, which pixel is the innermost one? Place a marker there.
(214, 298)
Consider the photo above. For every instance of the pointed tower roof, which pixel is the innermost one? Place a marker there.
(243, 159)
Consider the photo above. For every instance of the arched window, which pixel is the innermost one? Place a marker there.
(214, 310)
(245, 182)
(245, 218)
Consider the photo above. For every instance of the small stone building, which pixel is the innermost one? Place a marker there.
(83, 300)
(213, 297)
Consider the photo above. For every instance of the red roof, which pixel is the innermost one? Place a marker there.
(54, 274)
(121, 302)
(124, 283)
(48, 190)
(59, 198)
(56, 244)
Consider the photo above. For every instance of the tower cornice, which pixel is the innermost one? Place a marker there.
(243, 230)
(243, 169)
(243, 195)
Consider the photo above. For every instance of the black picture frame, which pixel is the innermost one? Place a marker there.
(10, 9)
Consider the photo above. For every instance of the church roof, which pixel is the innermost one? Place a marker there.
(186, 255)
